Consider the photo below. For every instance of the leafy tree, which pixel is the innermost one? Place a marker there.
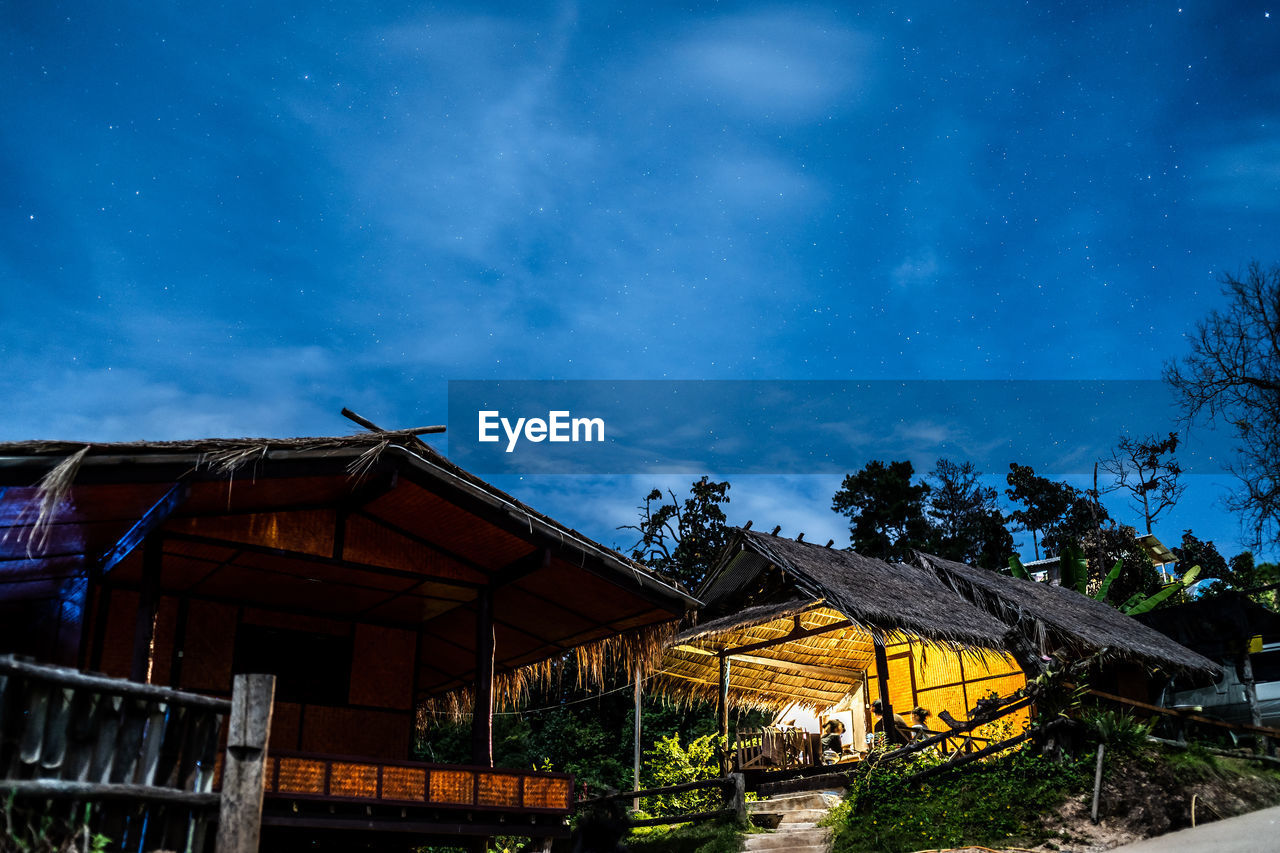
(682, 538)
(967, 525)
(885, 510)
(1232, 377)
(1194, 552)
(1056, 514)
(1147, 469)
(1138, 575)
(1239, 573)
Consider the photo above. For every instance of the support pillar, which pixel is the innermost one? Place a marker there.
(244, 765)
(724, 713)
(882, 683)
(635, 756)
(482, 713)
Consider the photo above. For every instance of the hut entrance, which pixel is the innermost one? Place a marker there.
(822, 676)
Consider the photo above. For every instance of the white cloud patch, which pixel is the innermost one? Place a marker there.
(919, 270)
(1243, 174)
(780, 65)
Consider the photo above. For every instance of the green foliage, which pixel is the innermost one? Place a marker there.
(1120, 731)
(1074, 569)
(1017, 569)
(1240, 573)
(685, 838)
(1156, 599)
(41, 829)
(885, 510)
(669, 763)
(996, 803)
(1111, 578)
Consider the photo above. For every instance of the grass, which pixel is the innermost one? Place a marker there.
(686, 838)
(996, 804)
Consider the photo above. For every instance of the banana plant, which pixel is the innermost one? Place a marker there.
(1075, 575)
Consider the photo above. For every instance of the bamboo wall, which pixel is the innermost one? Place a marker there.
(194, 649)
(941, 679)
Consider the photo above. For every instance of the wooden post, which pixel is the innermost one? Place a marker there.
(882, 683)
(1097, 785)
(144, 628)
(243, 766)
(482, 712)
(1251, 697)
(635, 755)
(724, 713)
(737, 796)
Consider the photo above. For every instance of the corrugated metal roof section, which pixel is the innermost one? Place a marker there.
(732, 577)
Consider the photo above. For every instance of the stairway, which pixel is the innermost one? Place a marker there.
(798, 828)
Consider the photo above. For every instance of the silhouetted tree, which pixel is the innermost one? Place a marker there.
(1232, 377)
(682, 538)
(1147, 469)
(966, 522)
(1055, 513)
(885, 510)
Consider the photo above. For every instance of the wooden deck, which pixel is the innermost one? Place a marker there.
(295, 775)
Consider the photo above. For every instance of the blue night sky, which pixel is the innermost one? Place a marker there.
(235, 219)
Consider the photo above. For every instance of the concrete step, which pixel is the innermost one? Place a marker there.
(818, 838)
(803, 815)
(801, 800)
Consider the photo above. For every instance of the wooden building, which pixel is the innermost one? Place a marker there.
(791, 625)
(368, 573)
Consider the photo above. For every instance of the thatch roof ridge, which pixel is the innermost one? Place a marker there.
(747, 618)
(1048, 615)
(226, 456)
(879, 597)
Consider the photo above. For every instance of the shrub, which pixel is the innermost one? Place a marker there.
(668, 763)
(990, 803)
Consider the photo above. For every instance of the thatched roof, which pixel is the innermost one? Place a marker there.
(1219, 627)
(375, 527)
(880, 597)
(1054, 617)
(931, 602)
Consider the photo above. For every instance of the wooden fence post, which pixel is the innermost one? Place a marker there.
(737, 797)
(240, 812)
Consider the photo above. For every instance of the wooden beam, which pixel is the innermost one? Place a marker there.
(482, 710)
(839, 673)
(830, 697)
(156, 515)
(504, 514)
(317, 558)
(792, 637)
(424, 542)
(372, 427)
(526, 565)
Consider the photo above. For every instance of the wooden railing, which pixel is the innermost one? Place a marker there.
(774, 748)
(299, 775)
(148, 750)
(735, 801)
